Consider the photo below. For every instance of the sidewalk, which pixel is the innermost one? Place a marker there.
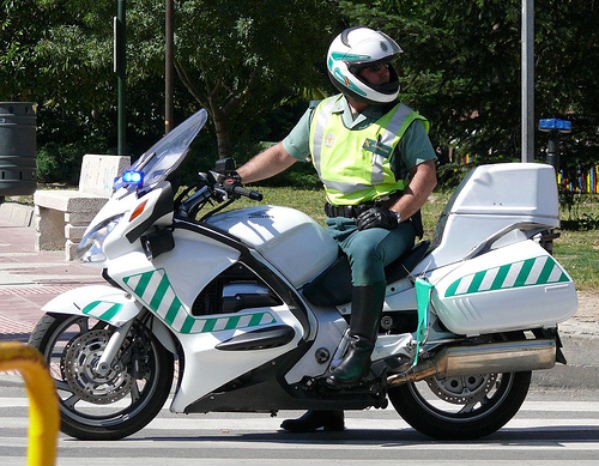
(29, 279)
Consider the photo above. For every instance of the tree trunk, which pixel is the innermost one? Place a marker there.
(221, 127)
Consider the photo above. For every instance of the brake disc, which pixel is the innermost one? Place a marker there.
(78, 364)
(463, 389)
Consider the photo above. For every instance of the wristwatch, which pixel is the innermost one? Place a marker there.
(397, 216)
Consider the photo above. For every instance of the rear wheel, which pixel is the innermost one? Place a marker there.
(461, 408)
(112, 404)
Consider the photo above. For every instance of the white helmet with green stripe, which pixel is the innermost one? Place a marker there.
(354, 49)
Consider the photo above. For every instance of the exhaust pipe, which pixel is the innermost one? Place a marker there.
(510, 356)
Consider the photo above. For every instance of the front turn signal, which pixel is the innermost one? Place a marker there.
(138, 210)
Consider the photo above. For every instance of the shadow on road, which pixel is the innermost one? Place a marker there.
(508, 436)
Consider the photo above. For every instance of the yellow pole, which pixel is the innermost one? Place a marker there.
(44, 418)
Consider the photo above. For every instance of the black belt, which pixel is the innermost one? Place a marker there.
(353, 211)
(348, 211)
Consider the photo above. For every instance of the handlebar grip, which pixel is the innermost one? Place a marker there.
(253, 195)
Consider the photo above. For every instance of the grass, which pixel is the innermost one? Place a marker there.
(577, 251)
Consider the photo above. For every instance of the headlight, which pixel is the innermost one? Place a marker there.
(90, 248)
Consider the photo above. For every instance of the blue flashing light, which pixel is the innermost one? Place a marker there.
(555, 124)
(133, 177)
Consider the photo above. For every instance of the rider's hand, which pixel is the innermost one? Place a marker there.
(232, 180)
(378, 217)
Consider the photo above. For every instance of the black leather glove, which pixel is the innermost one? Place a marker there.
(378, 217)
(232, 180)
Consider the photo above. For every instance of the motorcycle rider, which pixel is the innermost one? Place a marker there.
(377, 164)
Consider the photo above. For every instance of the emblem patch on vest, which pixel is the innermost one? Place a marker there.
(329, 140)
(377, 147)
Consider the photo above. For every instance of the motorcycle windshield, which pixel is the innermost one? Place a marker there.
(166, 155)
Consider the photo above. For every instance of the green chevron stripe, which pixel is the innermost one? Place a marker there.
(524, 272)
(108, 314)
(521, 280)
(209, 325)
(232, 323)
(173, 311)
(162, 289)
(176, 307)
(140, 289)
(90, 307)
(452, 289)
(500, 277)
(188, 324)
(546, 272)
(255, 320)
(476, 282)
(111, 313)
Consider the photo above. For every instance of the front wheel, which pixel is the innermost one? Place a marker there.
(103, 406)
(461, 408)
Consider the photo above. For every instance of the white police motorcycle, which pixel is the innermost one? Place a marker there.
(251, 306)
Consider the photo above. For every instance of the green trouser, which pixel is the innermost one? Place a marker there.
(370, 251)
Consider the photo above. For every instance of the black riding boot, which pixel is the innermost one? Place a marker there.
(314, 420)
(367, 306)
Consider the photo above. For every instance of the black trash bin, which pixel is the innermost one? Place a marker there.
(18, 173)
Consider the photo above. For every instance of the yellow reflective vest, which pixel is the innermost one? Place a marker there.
(355, 165)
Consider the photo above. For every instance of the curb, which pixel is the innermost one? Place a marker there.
(582, 369)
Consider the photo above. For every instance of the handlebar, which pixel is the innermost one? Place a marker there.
(210, 187)
(253, 195)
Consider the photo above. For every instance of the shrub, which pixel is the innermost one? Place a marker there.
(59, 163)
(449, 175)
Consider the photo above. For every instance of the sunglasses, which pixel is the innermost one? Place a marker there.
(376, 67)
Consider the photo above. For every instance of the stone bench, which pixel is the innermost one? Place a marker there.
(62, 216)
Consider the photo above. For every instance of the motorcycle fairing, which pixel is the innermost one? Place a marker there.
(201, 351)
(166, 287)
(290, 240)
(102, 302)
(255, 262)
(199, 336)
(232, 343)
(153, 288)
(263, 390)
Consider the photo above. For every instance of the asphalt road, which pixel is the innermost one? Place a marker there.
(553, 426)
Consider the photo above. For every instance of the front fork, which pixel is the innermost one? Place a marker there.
(112, 348)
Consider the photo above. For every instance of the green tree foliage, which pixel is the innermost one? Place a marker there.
(461, 66)
(242, 59)
(58, 53)
(567, 68)
(250, 62)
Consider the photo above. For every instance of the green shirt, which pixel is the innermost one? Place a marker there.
(414, 148)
